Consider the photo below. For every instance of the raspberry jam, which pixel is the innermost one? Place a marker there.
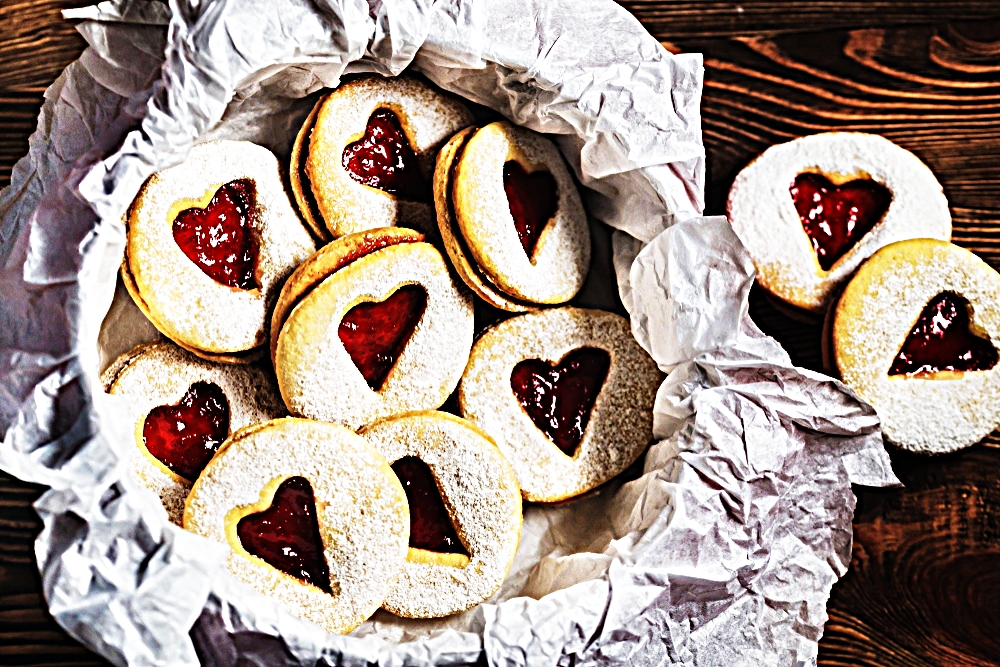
(184, 437)
(559, 398)
(375, 333)
(430, 525)
(941, 341)
(220, 238)
(286, 535)
(836, 216)
(384, 159)
(533, 200)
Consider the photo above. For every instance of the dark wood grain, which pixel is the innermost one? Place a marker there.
(924, 585)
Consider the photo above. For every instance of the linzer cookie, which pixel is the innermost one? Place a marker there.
(465, 512)
(511, 217)
(812, 210)
(915, 335)
(313, 516)
(183, 408)
(209, 244)
(372, 326)
(364, 156)
(566, 393)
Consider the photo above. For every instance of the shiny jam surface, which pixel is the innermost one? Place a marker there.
(836, 216)
(559, 398)
(941, 341)
(430, 525)
(220, 238)
(375, 333)
(533, 201)
(184, 437)
(384, 159)
(286, 535)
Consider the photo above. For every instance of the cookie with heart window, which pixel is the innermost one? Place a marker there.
(209, 244)
(566, 393)
(465, 512)
(322, 527)
(511, 217)
(915, 334)
(182, 409)
(364, 156)
(372, 325)
(810, 211)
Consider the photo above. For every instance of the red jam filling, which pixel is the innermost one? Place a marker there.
(559, 398)
(430, 525)
(286, 535)
(184, 437)
(219, 238)
(941, 341)
(836, 216)
(375, 333)
(533, 200)
(384, 159)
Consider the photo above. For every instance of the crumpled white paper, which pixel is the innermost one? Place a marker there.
(721, 550)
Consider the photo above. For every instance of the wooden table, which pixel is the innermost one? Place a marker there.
(924, 585)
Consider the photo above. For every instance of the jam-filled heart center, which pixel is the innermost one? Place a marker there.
(533, 200)
(835, 217)
(375, 333)
(942, 340)
(383, 158)
(220, 238)
(559, 398)
(430, 526)
(286, 535)
(185, 436)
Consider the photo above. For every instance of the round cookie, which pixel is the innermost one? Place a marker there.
(810, 211)
(566, 393)
(520, 215)
(914, 334)
(387, 333)
(183, 408)
(313, 515)
(465, 512)
(364, 157)
(209, 244)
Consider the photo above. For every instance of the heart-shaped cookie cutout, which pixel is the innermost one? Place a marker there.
(559, 398)
(430, 525)
(835, 217)
(383, 158)
(185, 436)
(942, 340)
(374, 333)
(286, 535)
(533, 200)
(220, 238)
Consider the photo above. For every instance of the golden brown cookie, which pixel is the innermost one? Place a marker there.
(566, 393)
(914, 334)
(364, 157)
(810, 211)
(465, 512)
(313, 516)
(209, 244)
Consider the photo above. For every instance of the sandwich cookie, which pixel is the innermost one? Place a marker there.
(364, 157)
(372, 326)
(313, 516)
(810, 211)
(209, 244)
(465, 512)
(182, 409)
(579, 408)
(915, 335)
(511, 217)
